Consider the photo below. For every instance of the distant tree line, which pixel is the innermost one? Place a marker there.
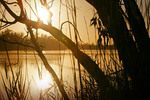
(17, 41)
(120, 20)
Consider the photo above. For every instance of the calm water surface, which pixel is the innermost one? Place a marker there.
(32, 67)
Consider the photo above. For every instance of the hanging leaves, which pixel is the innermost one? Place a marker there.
(102, 30)
(93, 21)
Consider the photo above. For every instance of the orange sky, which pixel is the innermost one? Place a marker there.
(84, 10)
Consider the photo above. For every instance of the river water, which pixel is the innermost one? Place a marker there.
(34, 74)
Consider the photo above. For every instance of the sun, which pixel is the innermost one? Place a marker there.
(44, 15)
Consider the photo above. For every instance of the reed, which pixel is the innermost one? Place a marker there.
(16, 85)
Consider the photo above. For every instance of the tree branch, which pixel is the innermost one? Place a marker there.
(16, 43)
(47, 65)
(9, 10)
(91, 67)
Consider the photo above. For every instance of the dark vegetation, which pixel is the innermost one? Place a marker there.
(12, 39)
(15, 41)
(120, 20)
(132, 43)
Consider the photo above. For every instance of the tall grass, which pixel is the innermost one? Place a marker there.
(20, 88)
(17, 85)
(107, 60)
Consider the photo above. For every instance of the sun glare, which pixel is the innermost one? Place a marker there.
(44, 15)
(44, 83)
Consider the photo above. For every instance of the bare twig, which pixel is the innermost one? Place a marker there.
(17, 43)
(47, 65)
(76, 30)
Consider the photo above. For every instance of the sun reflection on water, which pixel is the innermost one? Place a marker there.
(45, 82)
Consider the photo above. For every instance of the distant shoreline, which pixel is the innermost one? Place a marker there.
(92, 48)
(11, 41)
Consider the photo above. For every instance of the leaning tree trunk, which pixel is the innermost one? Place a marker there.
(107, 90)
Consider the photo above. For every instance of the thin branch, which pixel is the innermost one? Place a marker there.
(51, 4)
(7, 22)
(16, 43)
(73, 27)
(9, 10)
(9, 3)
(2, 13)
(68, 6)
(47, 65)
(4, 26)
(44, 3)
(90, 65)
(31, 8)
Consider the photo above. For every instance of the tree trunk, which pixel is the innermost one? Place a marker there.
(129, 53)
(107, 90)
(135, 59)
(137, 25)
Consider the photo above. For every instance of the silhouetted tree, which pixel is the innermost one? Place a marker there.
(107, 90)
(132, 44)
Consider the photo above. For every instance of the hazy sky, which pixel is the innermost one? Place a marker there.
(84, 12)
